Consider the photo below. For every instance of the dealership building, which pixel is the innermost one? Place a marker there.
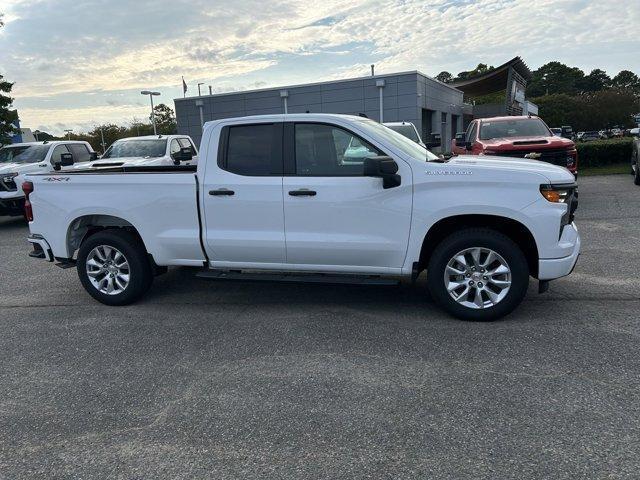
(438, 110)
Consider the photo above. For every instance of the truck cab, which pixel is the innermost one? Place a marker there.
(150, 150)
(516, 137)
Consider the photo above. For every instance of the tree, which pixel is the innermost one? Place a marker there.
(481, 69)
(7, 115)
(553, 78)
(444, 77)
(594, 82)
(165, 119)
(626, 80)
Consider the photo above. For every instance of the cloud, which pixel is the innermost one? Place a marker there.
(78, 52)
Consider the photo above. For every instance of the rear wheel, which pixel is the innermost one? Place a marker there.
(114, 268)
(478, 274)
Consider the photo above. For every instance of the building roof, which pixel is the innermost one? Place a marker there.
(328, 82)
(493, 81)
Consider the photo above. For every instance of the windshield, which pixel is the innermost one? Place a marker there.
(137, 148)
(406, 130)
(521, 127)
(23, 154)
(409, 147)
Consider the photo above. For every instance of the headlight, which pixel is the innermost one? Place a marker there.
(8, 177)
(557, 193)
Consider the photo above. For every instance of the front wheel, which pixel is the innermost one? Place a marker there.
(114, 268)
(478, 274)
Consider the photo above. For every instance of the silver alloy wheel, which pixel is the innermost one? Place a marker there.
(477, 277)
(108, 270)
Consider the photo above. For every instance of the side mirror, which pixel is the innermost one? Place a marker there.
(184, 155)
(93, 156)
(66, 160)
(385, 168)
(461, 143)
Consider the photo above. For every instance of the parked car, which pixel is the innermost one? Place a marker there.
(634, 132)
(590, 136)
(579, 136)
(480, 229)
(635, 160)
(556, 131)
(20, 158)
(617, 132)
(151, 150)
(516, 137)
(407, 129)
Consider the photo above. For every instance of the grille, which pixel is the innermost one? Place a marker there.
(556, 156)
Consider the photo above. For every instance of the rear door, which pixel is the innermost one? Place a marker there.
(243, 206)
(334, 215)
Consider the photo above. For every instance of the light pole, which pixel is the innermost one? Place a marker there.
(68, 133)
(202, 83)
(153, 116)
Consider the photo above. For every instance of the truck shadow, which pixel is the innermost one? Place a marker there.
(180, 284)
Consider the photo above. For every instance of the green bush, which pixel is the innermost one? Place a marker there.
(604, 152)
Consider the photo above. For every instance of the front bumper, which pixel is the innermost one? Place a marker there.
(551, 268)
(41, 248)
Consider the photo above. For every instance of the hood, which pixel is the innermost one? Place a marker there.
(17, 167)
(553, 173)
(118, 162)
(522, 143)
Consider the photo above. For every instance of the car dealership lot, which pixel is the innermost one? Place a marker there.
(244, 380)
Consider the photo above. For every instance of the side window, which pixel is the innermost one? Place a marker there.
(174, 147)
(59, 150)
(253, 150)
(185, 142)
(471, 132)
(80, 152)
(328, 151)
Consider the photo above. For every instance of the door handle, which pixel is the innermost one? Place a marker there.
(303, 192)
(221, 192)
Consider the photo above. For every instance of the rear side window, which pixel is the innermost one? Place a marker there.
(80, 152)
(253, 150)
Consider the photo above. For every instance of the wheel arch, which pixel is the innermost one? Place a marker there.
(85, 226)
(513, 229)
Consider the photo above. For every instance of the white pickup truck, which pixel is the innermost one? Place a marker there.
(273, 196)
(150, 150)
(21, 158)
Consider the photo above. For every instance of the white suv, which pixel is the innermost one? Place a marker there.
(34, 157)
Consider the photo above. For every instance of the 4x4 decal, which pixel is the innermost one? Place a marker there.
(56, 179)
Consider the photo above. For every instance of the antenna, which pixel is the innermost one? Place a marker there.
(373, 70)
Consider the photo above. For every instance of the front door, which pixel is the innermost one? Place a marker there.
(334, 215)
(242, 197)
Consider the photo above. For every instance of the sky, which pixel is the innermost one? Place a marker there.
(78, 63)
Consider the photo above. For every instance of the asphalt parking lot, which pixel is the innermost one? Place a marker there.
(256, 380)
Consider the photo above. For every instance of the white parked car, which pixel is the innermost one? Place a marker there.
(21, 158)
(273, 195)
(407, 129)
(151, 150)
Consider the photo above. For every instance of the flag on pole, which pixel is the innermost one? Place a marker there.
(184, 88)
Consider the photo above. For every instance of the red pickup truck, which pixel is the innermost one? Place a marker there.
(517, 137)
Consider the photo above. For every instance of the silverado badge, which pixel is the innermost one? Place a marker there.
(533, 155)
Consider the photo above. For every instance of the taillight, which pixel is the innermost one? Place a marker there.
(27, 188)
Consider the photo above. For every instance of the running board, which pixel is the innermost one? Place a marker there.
(297, 278)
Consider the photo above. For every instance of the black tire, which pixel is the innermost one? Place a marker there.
(484, 238)
(140, 271)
